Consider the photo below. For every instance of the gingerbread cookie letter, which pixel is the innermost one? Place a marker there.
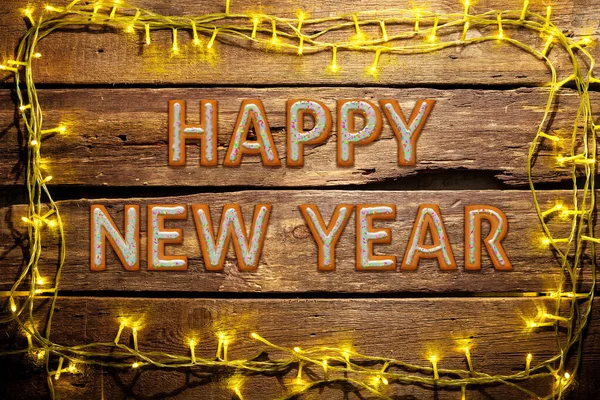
(326, 236)
(158, 236)
(232, 224)
(297, 137)
(429, 219)
(498, 230)
(407, 133)
(252, 112)
(103, 227)
(180, 131)
(347, 135)
(366, 236)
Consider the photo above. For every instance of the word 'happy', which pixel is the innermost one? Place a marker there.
(428, 237)
(252, 114)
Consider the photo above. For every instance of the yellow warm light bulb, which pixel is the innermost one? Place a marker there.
(175, 48)
(33, 143)
(297, 349)
(212, 39)
(28, 12)
(301, 16)
(129, 29)
(567, 375)
(255, 22)
(434, 360)
(37, 55)
(532, 324)
(40, 281)
(135, 365)
(72, 369)
(62, 129)
(59, 368)
(238, 392)
(333, 67)
(47, 179)
(193, 350)
(13, 306)
(51, 223)
(147, 30)
(586, 41)
(41, 354)
(254, 335)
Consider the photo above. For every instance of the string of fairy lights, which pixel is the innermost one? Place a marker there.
(304, 36)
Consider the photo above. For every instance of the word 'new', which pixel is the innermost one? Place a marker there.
(248, 243)
(252, 114)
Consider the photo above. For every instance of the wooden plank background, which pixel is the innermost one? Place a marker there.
(112, 94)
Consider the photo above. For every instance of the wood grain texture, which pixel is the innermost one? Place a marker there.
(119, 137)
(85, 56)
(407, 329)
(289, 258)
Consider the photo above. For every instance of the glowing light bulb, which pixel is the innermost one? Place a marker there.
(434, 360)
(254, 335)
(147, 30)
(193, 350)
(72, 369)
(135, 365)
(212, 39)
(37, 55)
(567, 375)
(528, 363)
(40, 281)
(238, 392)
(33, 143)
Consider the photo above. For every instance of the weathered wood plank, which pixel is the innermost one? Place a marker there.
(119, 137)
(407, 329)
(88, 57)
(289, 258)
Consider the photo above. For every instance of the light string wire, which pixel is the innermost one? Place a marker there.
(338, 365)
